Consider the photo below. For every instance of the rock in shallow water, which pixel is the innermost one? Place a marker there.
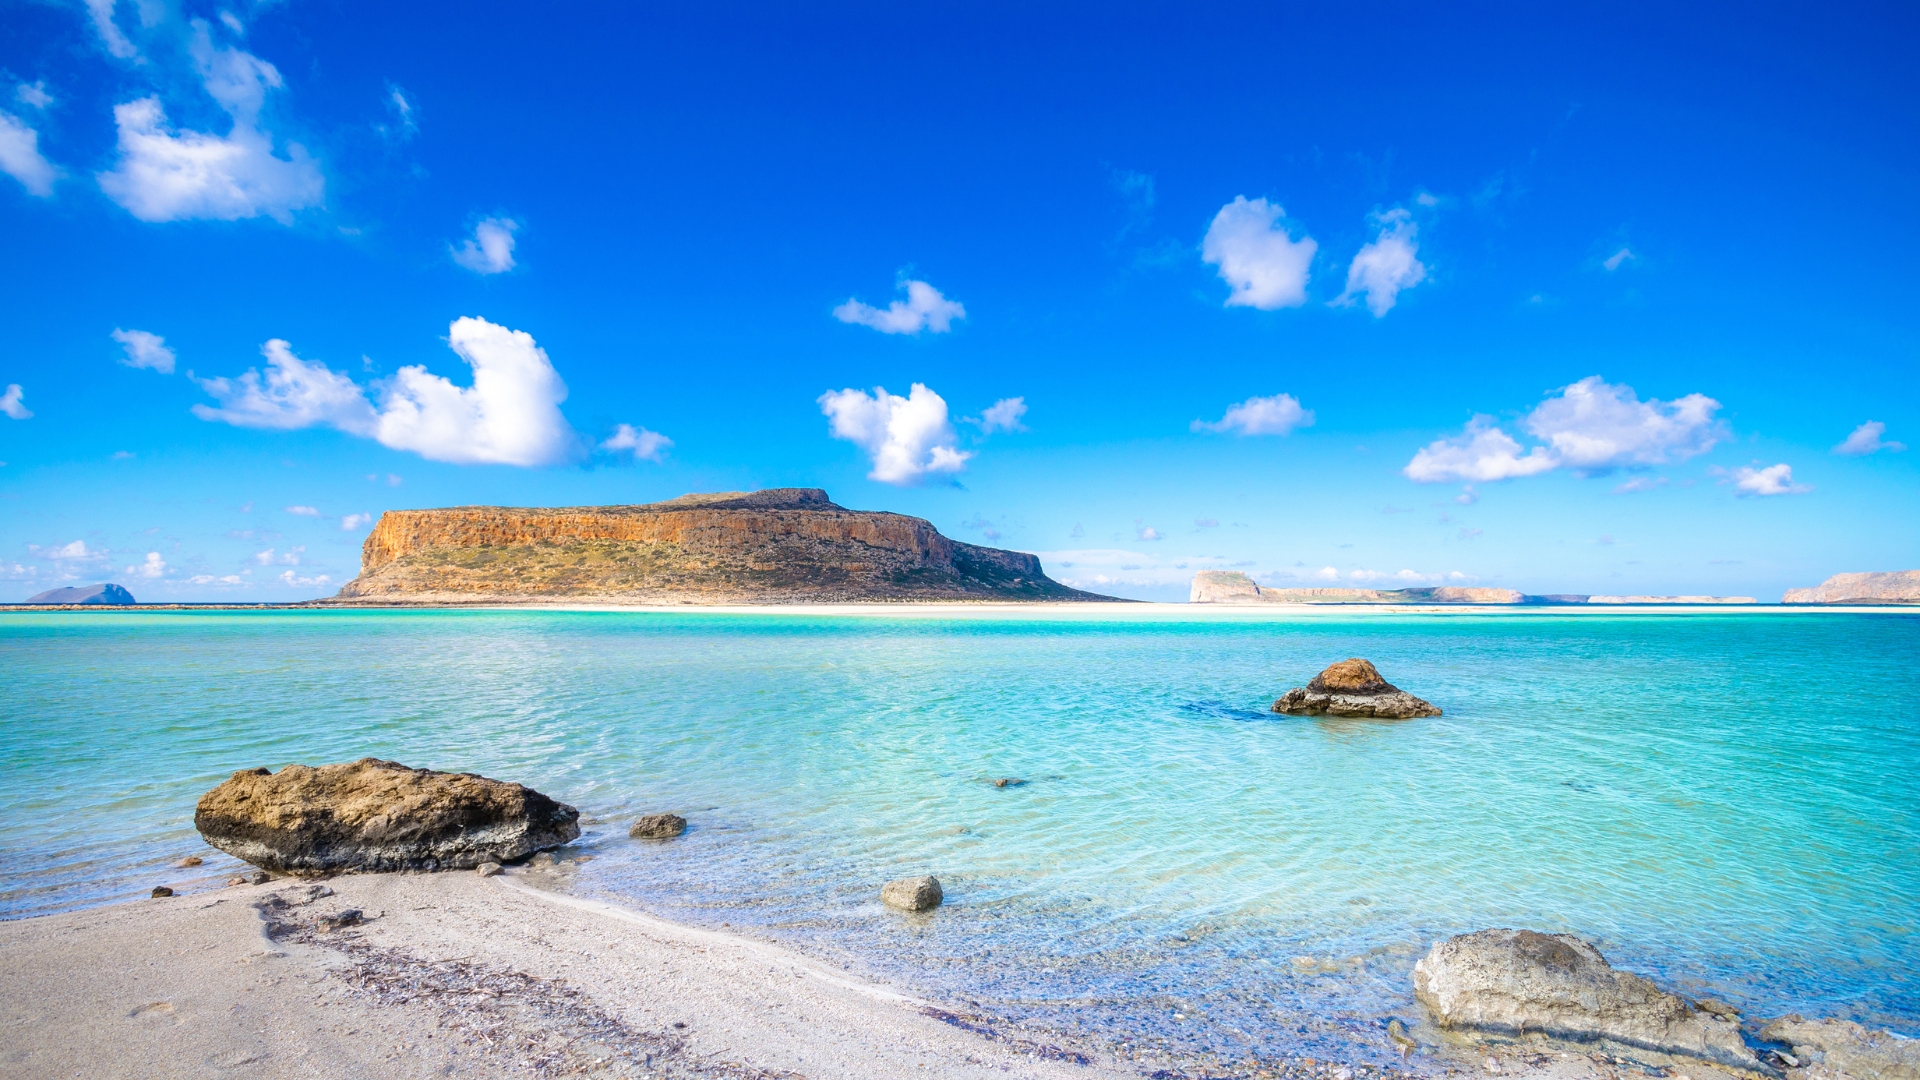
(912, 894)
(1843, 1050)
(658, 827)
(1352, 688)
(1518, 982)
(373, 815)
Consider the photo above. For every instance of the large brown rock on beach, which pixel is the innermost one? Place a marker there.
(1518, 982)
(1352, 688)
(373, 815)
(1844, 1050)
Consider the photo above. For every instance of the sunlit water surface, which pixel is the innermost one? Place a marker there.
(1728, 802)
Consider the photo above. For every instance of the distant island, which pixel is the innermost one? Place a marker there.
(107, 593)
(779, 546)
(1890, 587)
(1233, 587)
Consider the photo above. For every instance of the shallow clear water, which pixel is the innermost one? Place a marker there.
(1730, 802)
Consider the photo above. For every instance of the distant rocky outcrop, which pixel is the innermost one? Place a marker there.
(108, 593)
(373, 815)
(788, 545)
(1352, 688)
(1234, 587)
(1888, 587)
(1844, 1050)
(1513, 983)
(1671, 600)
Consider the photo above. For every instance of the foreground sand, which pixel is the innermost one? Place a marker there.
(457, 975)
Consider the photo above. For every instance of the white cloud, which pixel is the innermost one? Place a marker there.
(167, 176)
(923, 309)
(303, 511)
(145, 350)
(509, 416)
(1617, 259)
(908, 437)
(1387, 265)
(1266, 267)
(291, 558)
(209, 579)
(294, 394)
(1148, 532)
(490, 249)
(1004, 415)
(110, 35)
(296, 581)
(1276, 415)
(1591, 426)
(352, 522)
(33, 95)
(1866, 440)
(78, 550)
(153, 567)
(645, 445)
(1482, 453)
(233, 23)
(10, 402)
(404, 126)
(1772, 480)
(20, 156)
(1640, 483)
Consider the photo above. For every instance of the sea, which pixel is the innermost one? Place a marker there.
(1727, 802)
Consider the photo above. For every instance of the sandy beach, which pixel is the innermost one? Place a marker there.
(458, 975)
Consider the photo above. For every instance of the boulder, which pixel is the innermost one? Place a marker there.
(912, 894)
(658, 827)
(1352, 688)
(108, 593)
(373, 815)
(1844, 1050)
(1518, 982)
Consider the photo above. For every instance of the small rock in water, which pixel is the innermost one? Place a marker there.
(488, 869)
(1397, 1032)
(658, 827)
(162, 890)
(1846, 1048)
(349, 917)
(912, 894)
(1008, 781)
(191, 860)
(1352, 688)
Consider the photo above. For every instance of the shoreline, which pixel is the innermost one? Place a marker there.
(455, 974)
(1135, 610)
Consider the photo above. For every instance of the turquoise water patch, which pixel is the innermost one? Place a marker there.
(1730, 802)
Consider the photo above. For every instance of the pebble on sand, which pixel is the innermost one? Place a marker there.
(912, 894)
(257, 877)
(487, 869)
(162, 890)
(658, 827)
(191, 860)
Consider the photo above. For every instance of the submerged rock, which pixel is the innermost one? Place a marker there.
(912, 894)
(1844, 1050)
(658, 827)
(1518, 982)
(1352, 688)
(373, 815)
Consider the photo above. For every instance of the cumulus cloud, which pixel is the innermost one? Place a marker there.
(1387, 265)
(1004, 415)
(294, 580)
(145, 350)
(1772, 480)
(76, 551)
(923, 309)
(110, 34)
(509, 416)
(1866, 440)
(351, 522)
(908, 438)
(1591, 426)
(644, 445)
(10, 403)
(1148, 532)
(153, 567)
(33, 95)
(1276, 415)
(490, 249)
(20, 156)
(168, 175)
(1265, 266)
(209, 579)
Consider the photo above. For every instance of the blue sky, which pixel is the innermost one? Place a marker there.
(1561, 302)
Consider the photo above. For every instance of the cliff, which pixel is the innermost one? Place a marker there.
(1886, 587)
(788, 545)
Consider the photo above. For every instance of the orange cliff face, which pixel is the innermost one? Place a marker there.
(782, 545)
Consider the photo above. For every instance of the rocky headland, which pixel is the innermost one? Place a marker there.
(108, 593)
(1233, 587)
(1887, 587)
(1352, 688)
(780, 546)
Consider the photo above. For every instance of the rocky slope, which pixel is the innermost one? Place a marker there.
(1890, 587)
(786, 545)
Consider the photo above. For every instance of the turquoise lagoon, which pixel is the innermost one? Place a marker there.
(1727, 801)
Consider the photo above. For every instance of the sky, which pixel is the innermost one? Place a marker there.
(1615, 299)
